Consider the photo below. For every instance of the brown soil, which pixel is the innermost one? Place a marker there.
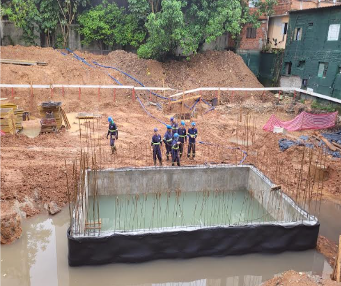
(33, 171)
(292, 278)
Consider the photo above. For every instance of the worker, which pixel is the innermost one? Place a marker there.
(175, 150)
(167, 139)
(113, 132)
(156, 142)
(192, 134)
(174, 126)
(182, 137)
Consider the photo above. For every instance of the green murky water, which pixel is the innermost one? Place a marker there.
(157, 211)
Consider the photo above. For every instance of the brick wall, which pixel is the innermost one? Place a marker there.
(282, 7)
(255, 43)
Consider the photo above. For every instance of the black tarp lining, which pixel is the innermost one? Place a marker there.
(215, 241)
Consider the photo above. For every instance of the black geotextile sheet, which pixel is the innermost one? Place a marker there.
(219, 241)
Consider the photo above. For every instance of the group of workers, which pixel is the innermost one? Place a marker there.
(174, 140)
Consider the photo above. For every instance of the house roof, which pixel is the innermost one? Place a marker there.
(336, 7)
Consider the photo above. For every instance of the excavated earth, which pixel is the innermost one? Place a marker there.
(34, 171)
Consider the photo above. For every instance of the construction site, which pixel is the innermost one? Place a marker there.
(259, 204)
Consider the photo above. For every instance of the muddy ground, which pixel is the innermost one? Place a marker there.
(33, 170)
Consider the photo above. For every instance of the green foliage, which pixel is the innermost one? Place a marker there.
(25, 15)
(166, 30)
(325, 107)
(190, 24)
(108, 24)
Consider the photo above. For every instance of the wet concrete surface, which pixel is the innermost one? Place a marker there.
(39, 257)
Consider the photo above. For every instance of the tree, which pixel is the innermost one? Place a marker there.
(165, 31)
(68, 10)
(110, 25)
(34, 17)
(190, 24)
(25, 15)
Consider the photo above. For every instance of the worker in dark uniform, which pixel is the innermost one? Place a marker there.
(156, 145)
(175, 150)
(167, 139)
(113, 132)
(182, 137)
(174, 126)
(192, 135)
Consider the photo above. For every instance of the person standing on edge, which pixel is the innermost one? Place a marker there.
(174, 126)
(167, 138)
(175, 150)
(113, 134)
(192, 134)
(182, 136)
(156, 142)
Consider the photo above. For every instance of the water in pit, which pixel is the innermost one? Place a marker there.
(177, 209)
(39, 258)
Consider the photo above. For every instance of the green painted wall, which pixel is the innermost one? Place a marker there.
(313, 48)
(270, 68)
(251, 59)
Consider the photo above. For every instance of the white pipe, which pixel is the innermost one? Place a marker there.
(177, 94)
(84, 86)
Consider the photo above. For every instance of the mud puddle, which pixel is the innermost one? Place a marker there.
(40, 258)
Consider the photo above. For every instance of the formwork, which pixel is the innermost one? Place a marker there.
(289, 227)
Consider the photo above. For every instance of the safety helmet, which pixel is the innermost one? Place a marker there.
(182, 122)
(193, 123)
(168, 126)
(110, 119)
(155, 129)
(176, 135)
(172, 119)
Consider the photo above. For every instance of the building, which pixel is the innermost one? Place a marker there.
(312, 58)
(271, 34)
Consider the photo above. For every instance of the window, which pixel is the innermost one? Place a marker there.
(322, 72)
(298, 34)
(285, 28)
(251, 33)
(252, 3)
(288, 68)
(301, 64)
(333, 32)
(304, 82)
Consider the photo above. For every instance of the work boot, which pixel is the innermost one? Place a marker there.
(167, 157)
(188, 155)
(173, 164)
(179, 164)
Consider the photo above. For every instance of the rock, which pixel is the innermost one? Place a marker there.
(53, 208)
(10, 227)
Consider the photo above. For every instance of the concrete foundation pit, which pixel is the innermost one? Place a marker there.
(134, 215)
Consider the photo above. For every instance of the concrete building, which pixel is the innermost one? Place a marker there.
(272, 34)
(312, 58)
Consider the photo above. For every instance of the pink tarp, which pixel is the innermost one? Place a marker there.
(303, 121)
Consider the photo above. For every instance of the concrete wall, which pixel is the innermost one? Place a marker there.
(190, 179)
(273, 201)
(290, 81)
(12, 35)
(277, 38)
(153, 180)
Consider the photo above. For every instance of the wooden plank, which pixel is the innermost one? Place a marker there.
(336, 145)
(185, 99)
(22, 62)
(329, 145)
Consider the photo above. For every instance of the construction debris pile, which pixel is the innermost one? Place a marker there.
(11, 118)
